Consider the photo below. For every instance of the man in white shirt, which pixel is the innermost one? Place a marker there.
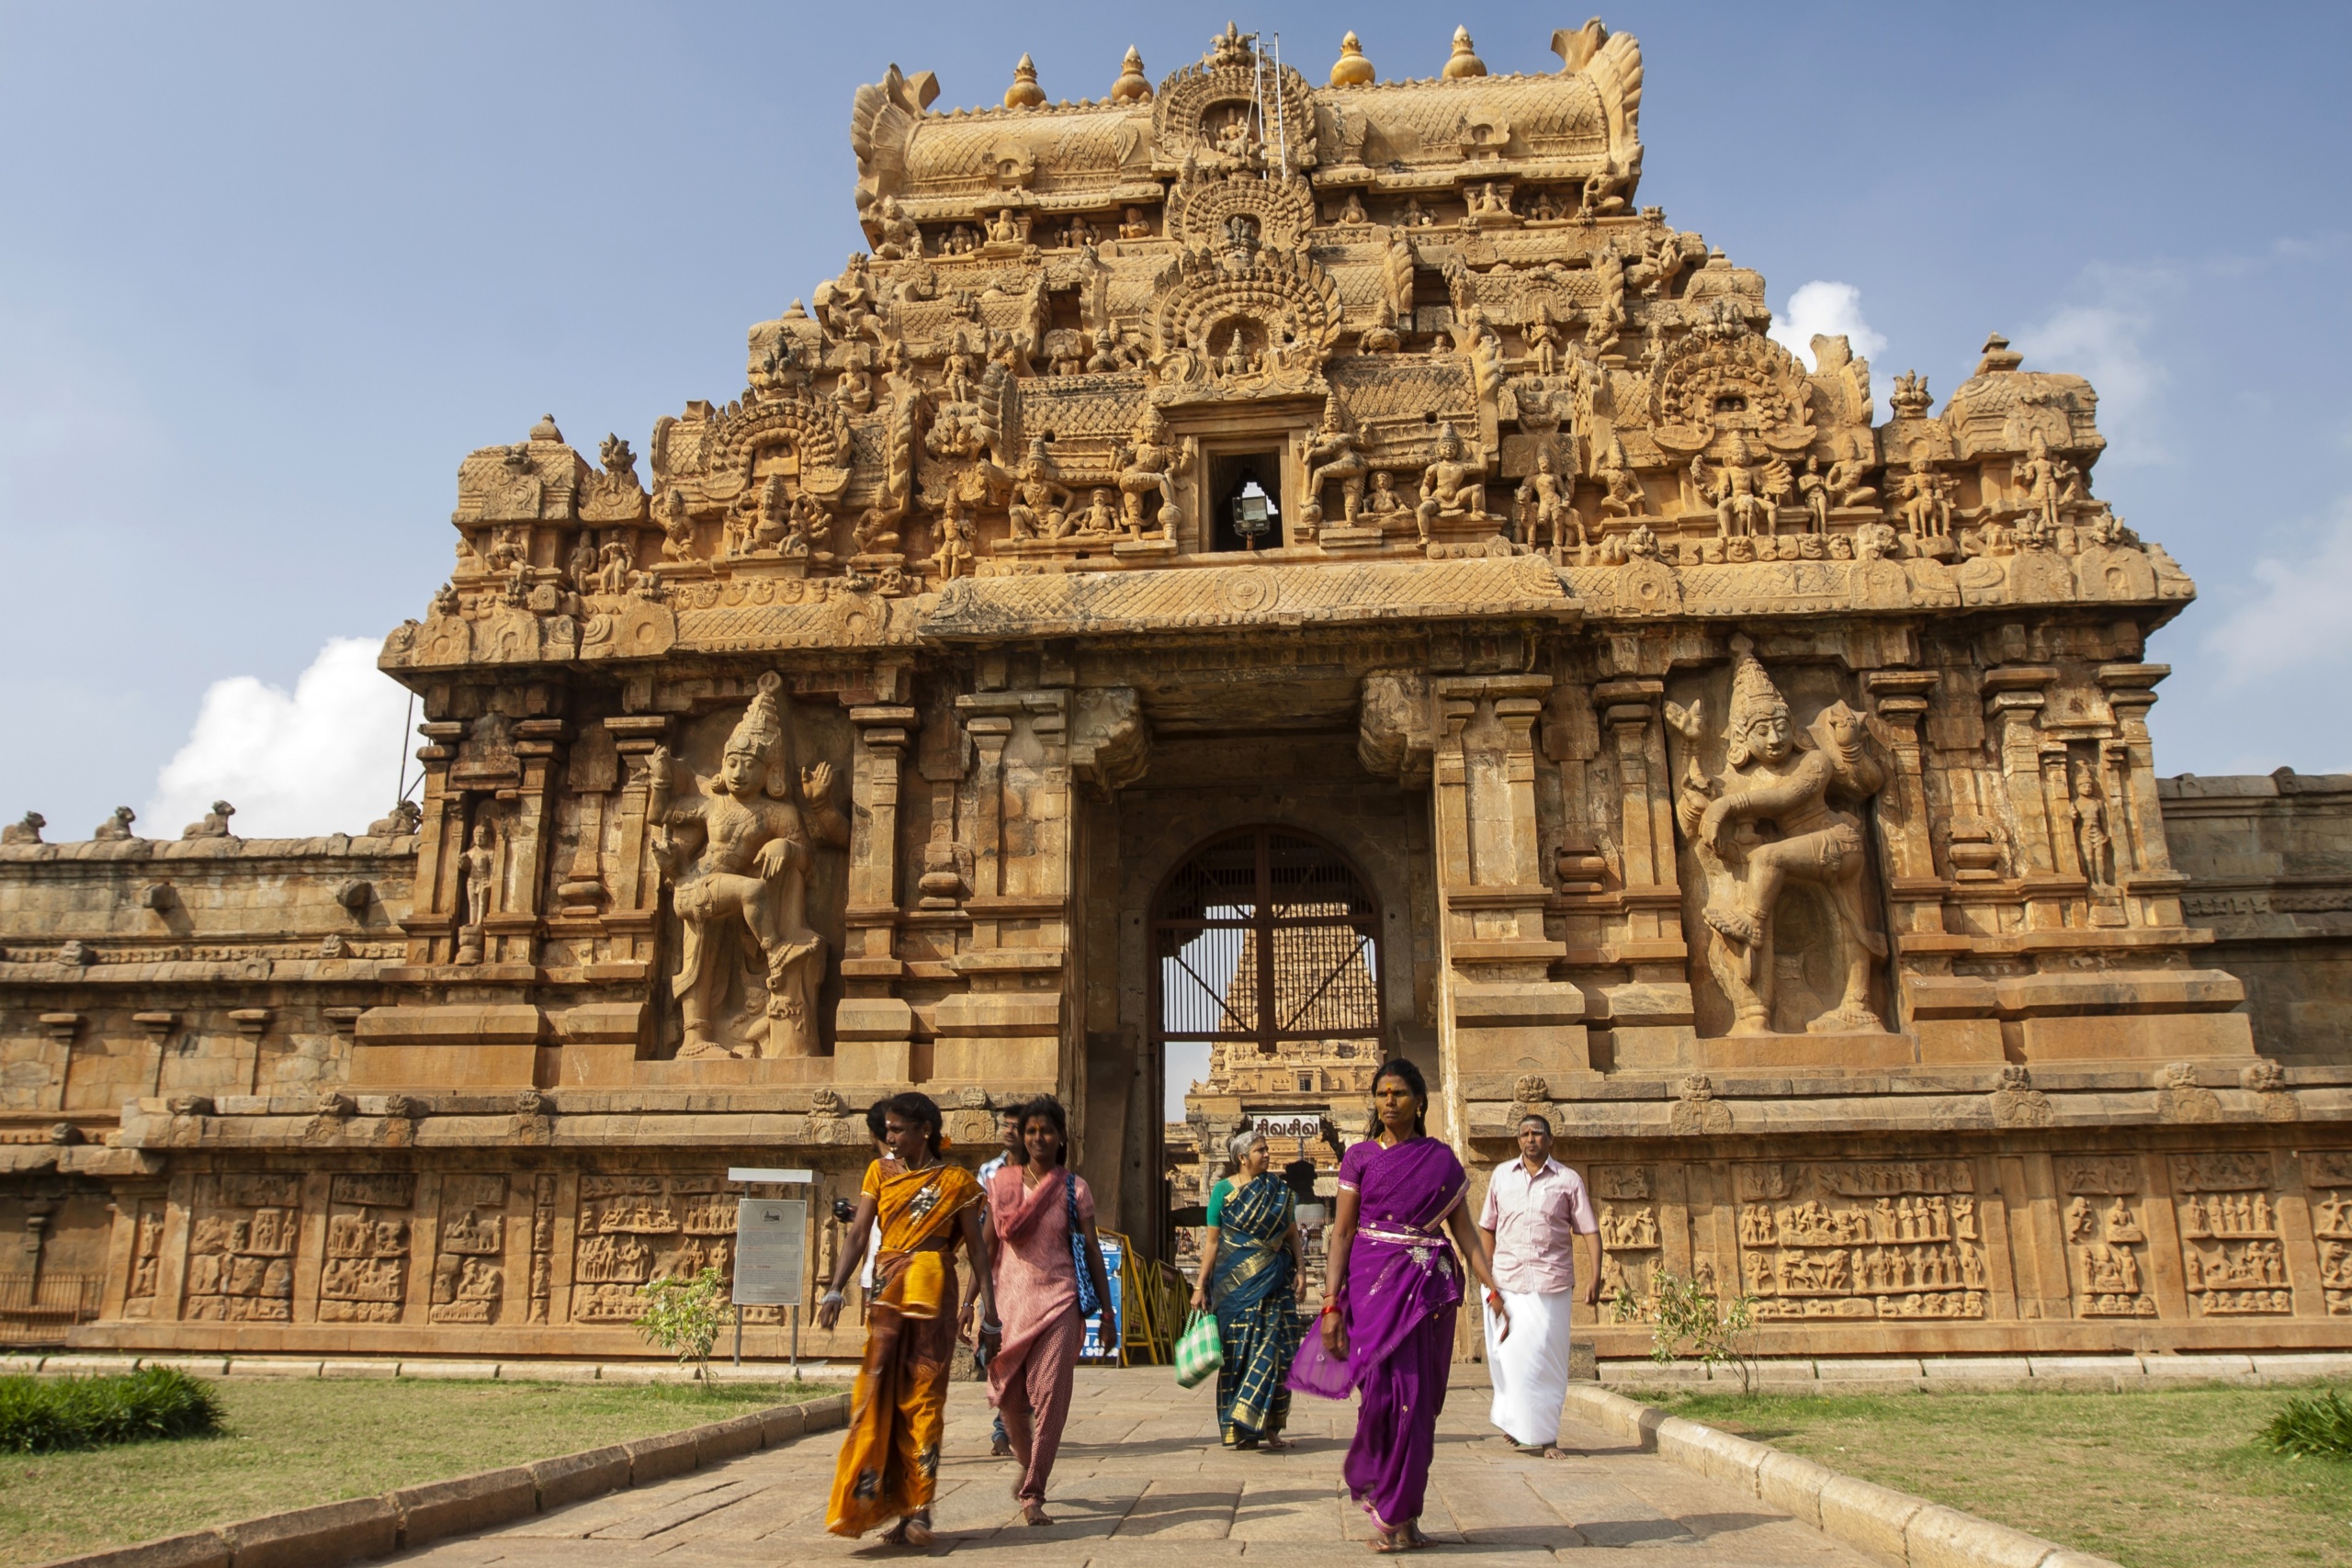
(1534, 1206)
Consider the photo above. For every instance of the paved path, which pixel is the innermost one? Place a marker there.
(1142, 1480)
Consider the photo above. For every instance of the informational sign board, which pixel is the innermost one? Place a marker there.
(771, 1244)
(1115, 1259)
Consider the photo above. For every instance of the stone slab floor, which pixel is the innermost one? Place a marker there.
(1142, 1480)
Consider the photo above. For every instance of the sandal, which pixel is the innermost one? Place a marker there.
(913, 1530)
(1384, 1541)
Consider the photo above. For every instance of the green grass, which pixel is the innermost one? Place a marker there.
(2178, 1478)
(291, 1444)
(48, 1415)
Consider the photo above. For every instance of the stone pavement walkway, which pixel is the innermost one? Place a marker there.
(1142, 1480)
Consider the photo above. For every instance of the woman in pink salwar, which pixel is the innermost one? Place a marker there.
(1034, 1212)
(1390, 1302)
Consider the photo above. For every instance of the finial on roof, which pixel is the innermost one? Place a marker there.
(1133, 86)
(1998, 356)
(1025, 93)
(544, 430)
(1466, 61)
(1351, 69)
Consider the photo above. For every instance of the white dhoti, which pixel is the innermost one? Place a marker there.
(1531, 1367)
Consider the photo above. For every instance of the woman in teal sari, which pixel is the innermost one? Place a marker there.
(1249, 1277)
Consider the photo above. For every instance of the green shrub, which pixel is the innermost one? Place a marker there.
(2312, 1424)
(43, 1415)
(684, 1317)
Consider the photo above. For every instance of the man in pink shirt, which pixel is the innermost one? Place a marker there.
(1535, 1205)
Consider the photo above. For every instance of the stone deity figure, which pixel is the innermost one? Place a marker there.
(1335, 452)
(1384, 501)
(2048, 483)
(478, 867)
(27, 831)
(1100, 518)
(1743, 492)
(1544, 496)
(902, 235)
(1145, 473)
(1134, 226)
(1352, 210)
(2091, 833)
(1814, 490)
(1451, 487)
(1776, 817)
(1543, 340)
(955, 548)
(1924, 502)
(1040, 503)
(1623, 493)
(215, 824)
(738, 856)
(117, 828)
(677, 526)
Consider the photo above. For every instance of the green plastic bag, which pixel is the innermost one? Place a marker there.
(1199, 1351)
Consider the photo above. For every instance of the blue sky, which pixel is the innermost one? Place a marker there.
(267, 273)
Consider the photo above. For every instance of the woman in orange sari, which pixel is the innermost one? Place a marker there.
(889, 1461)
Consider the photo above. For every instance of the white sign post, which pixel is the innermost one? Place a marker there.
(771, 1250)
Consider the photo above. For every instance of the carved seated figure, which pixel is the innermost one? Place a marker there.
(1744, 493)
(1384, 501)
(1040, 504)
(215, 824)
(1452, 488)
(1352, 210)
(902, 235)
(1135, 226)
(405, 819)
(27, 831)
(1100, 518)
(738, 857)
(1623, 495)
(1774, 817)
(115, 829)
(1924, 502)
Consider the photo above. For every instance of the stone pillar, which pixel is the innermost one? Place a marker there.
(513, 933)
(2013, 698)
(1500, 1012)
(1005, 1032)
(1914, 888)
(636, 881)
(431, 924)
(2150, 885)
(874, 1029)
(1652, 1017)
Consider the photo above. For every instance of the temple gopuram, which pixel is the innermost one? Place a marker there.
(1335, 514)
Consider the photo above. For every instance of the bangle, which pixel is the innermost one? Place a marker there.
(1330, 1309)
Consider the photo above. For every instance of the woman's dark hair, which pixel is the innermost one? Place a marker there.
(874, 1118)
(1404, 1072)
(916, 1110)
(1050, 1108)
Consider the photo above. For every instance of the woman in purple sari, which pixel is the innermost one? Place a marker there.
(1390, 1303)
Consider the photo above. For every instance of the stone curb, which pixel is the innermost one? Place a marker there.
(335, 1533)
(221, 1366)
(1944, 1373)
(1894, 1526)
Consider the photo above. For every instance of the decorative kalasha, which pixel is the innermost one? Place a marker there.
(1298, 565)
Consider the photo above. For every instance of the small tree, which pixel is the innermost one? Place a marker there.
(1688, 1310)
(684, 1317)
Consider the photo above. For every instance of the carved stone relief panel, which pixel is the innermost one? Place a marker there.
(468, 1261)
(370, 1220)
(640, 1227)
(146, 1259)
(2327, 1173)
(1625, 1198)
(1775, 861)
(2106, 1242)
(1863, 1239)
(2232, 1257)
(241, 1248)
(543, 1202)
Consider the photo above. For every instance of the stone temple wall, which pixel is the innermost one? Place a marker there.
(1760, 789)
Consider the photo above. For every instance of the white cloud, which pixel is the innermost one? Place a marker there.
(1828, 309)
(2294, 620)
(2105, 342)
(320, 759)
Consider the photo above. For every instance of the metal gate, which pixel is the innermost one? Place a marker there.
(1267, 935)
